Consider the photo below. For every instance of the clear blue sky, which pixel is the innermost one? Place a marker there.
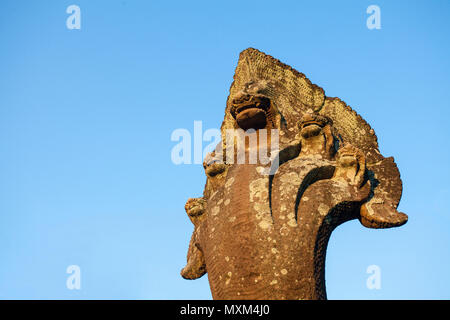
(86, 116)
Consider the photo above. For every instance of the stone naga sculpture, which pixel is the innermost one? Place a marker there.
(261, 228)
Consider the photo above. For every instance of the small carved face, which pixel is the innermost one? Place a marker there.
(311, 125)
(250, 111)
(213, 164)
(351, 165)
(348, 156)
(195, 207)
(348, 160)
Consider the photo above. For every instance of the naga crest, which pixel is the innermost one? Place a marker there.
(263, 234)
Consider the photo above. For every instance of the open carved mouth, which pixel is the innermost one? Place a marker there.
(213, 165)
(311, 128)
(312, 123)
(215, 169)
(195, 207)
(195, 210)
(348, 160)
(257, 105)
(250, 111)
(348, 155)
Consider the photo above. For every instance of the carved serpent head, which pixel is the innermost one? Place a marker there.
(265, 236)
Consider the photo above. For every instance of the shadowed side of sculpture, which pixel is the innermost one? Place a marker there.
(264, 236)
